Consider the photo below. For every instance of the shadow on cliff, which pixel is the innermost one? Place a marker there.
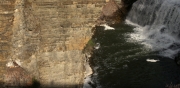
(38, 85)
(17, 77)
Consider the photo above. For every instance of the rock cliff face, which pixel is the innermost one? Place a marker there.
(47, 38)
(6, 22)
(115, 11)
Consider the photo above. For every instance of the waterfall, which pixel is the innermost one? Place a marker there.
(157, 25)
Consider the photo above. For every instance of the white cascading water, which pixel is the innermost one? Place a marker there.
(157, 25)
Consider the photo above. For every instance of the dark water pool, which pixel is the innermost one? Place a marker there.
(119, 63)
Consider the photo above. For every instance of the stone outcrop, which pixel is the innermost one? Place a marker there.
(111, 13)
(110, 8)
(47, 37)
(115, 11)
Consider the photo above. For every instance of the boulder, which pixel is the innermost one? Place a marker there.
(110, 9)
(111, 13)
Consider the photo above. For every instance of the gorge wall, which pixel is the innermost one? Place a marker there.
(6, 22)
(47, 38)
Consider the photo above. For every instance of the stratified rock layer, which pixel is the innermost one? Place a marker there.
(6, 21)
(48, 36)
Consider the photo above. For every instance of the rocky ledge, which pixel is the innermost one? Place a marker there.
(47, 37)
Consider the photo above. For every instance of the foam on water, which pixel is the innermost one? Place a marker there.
(87, 82)
(151, 60)
(157, 25)
(157, 38)
(107, 27)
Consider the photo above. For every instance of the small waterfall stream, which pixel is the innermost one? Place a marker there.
(139, 53)
(159, 25)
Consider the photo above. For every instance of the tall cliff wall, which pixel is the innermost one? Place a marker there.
(6, 23)
(47, 37)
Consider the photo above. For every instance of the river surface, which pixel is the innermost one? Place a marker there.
(122, 62)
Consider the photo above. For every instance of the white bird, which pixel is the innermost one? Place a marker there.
(10, 64)
(107, 27)
(88, 55)
(13, 63)
(97, 46)
(151, 60)
(18, 62)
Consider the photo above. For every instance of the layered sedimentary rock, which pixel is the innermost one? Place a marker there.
(47, 38)
(6, 22)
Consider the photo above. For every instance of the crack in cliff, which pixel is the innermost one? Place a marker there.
(18, 31)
